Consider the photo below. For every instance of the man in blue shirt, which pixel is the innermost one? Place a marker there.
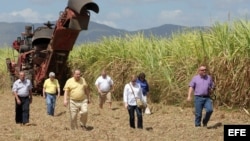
(201, 85)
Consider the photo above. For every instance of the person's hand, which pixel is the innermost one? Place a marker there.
(189, 98)
(126, 106)
(18, 101)
(100, 93)
(44, 96)
(65, 103)
(30, 100)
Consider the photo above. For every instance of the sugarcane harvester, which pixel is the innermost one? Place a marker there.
(47, 48)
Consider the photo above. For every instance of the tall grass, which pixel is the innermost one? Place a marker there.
(170, 63)
(5, 52)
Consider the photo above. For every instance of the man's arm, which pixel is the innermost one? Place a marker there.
(58, 92)
(16, 97)
(44, 95)
(125, 97)
(65, 100)
(86, 90)
(190, 91)
(14, 90)
(58, 89)
(30, 95)
(112, 88)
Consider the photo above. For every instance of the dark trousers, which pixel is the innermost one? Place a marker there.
(22, 110)
(131, 112)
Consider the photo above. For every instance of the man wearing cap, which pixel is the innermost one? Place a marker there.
(51, 88)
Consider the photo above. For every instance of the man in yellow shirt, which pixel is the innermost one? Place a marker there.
(76, 91)
(51, 87)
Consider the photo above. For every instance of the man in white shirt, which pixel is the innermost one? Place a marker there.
(22, 90)
(104, 85)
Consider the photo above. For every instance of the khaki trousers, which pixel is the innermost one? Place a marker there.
(75, 107)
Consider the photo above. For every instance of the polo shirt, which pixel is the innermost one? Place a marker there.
(201, 85)
(51, 86)
(76, 88)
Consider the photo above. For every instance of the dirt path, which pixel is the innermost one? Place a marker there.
(167, 123)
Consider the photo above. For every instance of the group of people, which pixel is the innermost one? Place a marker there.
(77, 96)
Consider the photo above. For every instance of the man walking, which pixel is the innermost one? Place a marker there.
(22, 90)
(104, 85)
(76, 91)
(51, 89)
(201, 85)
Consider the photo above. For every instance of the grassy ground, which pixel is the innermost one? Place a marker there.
(167, 123)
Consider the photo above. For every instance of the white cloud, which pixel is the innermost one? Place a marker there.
(26, 15)
(169, 15)
(108, 23)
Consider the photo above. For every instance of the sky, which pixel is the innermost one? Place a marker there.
(133, 14)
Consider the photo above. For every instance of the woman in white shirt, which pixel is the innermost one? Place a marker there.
(133, 91)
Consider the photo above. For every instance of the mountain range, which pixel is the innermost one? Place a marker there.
(10, 31)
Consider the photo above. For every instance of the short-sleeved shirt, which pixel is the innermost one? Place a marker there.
(201, 85)
(22, 88)
(76, 88)
(104, 83)
(51, 86)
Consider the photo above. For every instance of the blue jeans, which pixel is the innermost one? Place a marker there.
(131, 112)
(200, 103)
(51, 102)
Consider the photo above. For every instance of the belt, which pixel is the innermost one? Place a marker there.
(203, 96)
(77, 100)
(23, 96)
(50, 93)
